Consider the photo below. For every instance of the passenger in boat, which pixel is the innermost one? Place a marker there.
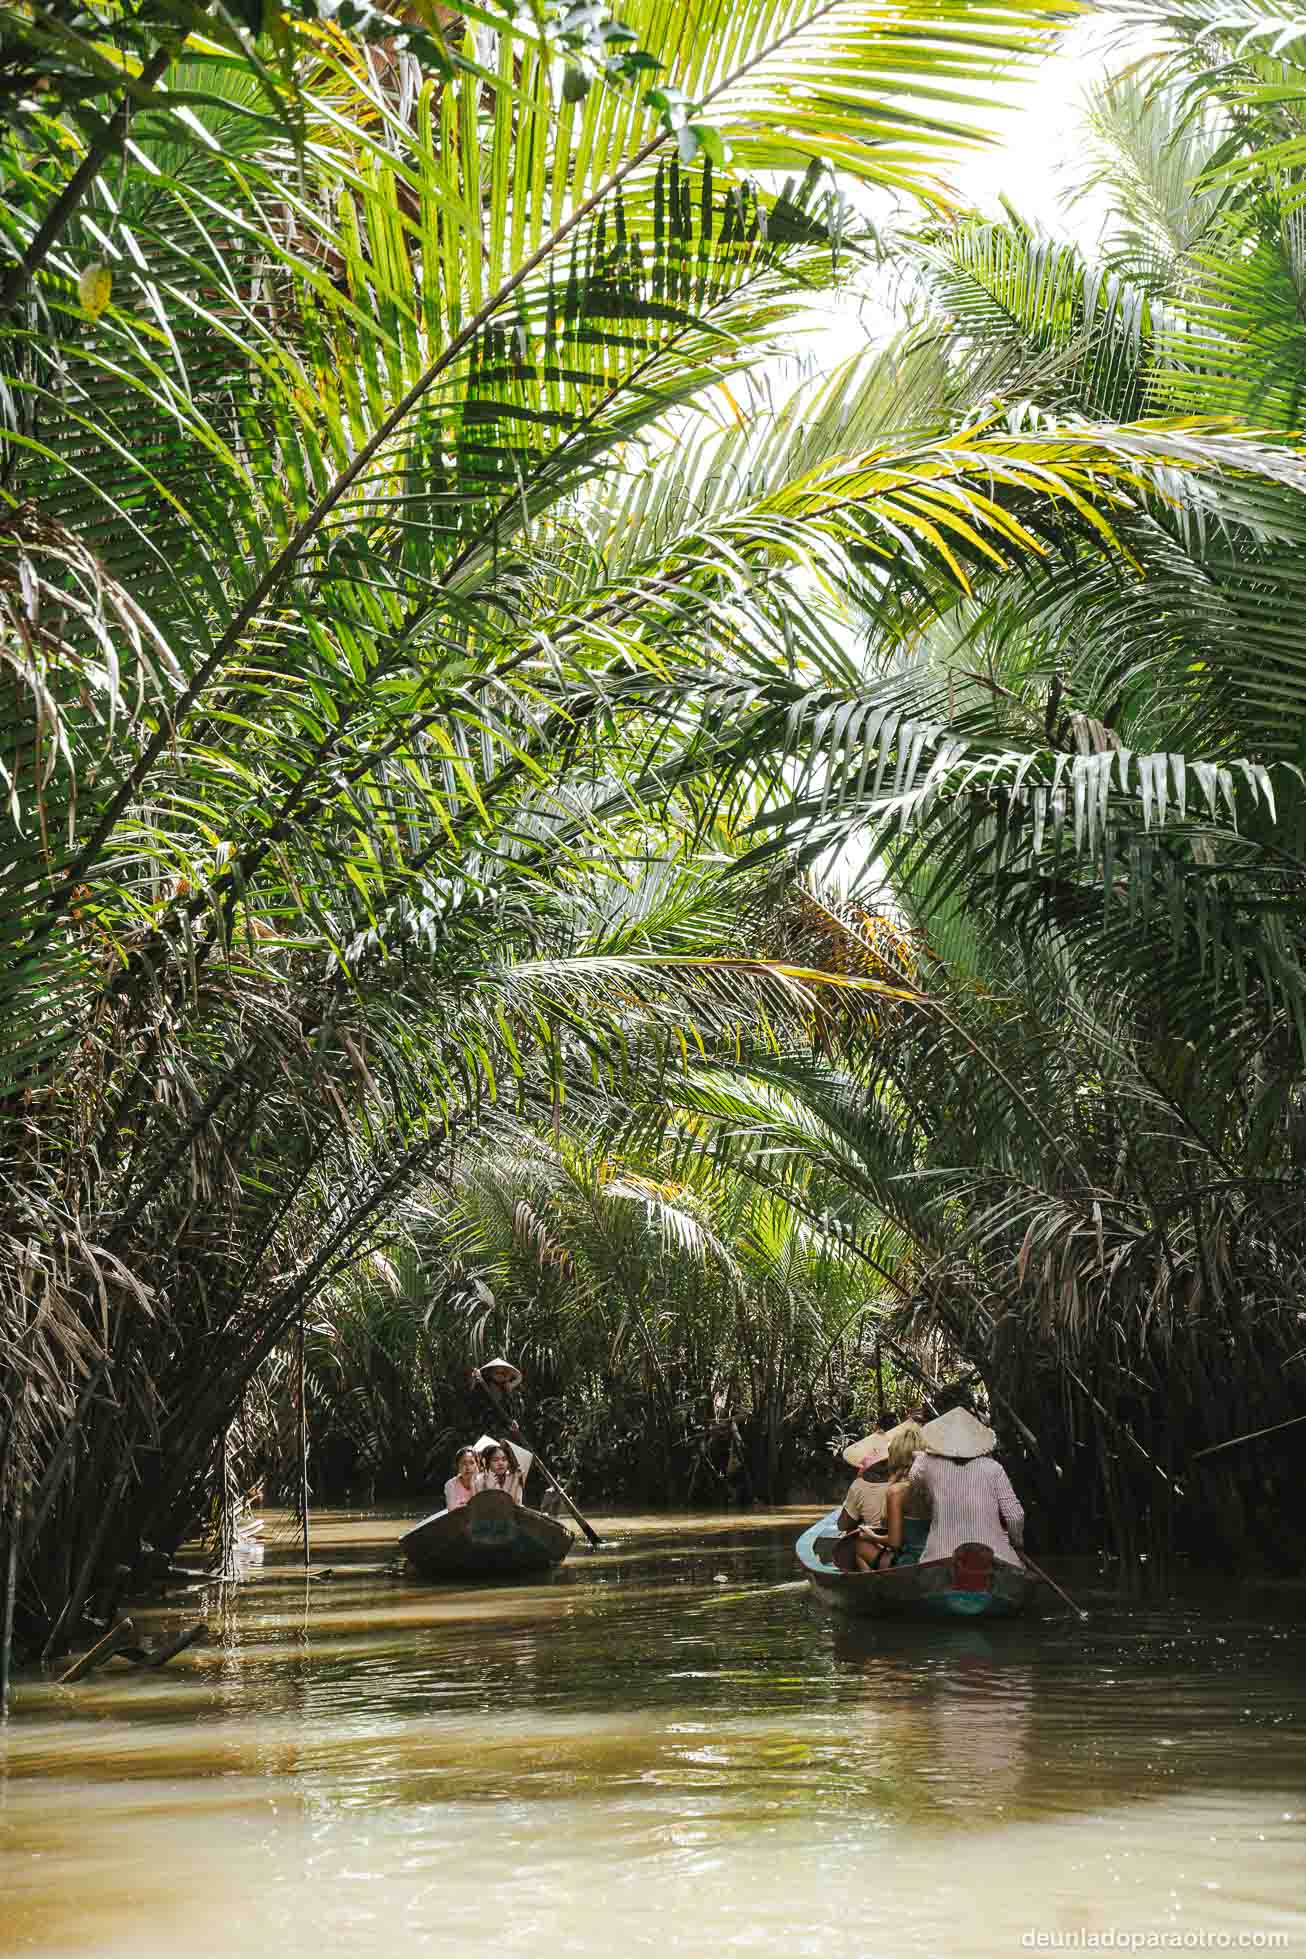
(970, 1496)
(519, 1465)
(499, 1470)
(906, 1506)
(464, 1482)
(860, 1549)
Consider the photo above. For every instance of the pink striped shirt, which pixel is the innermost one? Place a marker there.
(970, 1503)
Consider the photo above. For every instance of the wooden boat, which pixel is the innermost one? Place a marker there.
(971, 1584)
(489, 1536)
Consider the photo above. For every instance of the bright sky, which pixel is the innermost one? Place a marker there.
(1042, 136)
(1041, 139)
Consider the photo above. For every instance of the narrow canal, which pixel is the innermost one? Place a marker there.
(628, 1757)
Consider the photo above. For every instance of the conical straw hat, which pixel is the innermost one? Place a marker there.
(513, 1450)
(866, 1453)
(506, 1366)
(958, 1434)
(873, 1448)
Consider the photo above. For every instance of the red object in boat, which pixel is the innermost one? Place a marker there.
(972, 1568)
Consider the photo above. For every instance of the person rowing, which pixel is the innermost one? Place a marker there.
(499, 1379)
(970, 1496)
(498, 1374)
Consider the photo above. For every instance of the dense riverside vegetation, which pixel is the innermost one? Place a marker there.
(436, 687)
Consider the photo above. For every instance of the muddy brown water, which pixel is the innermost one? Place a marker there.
(625, 1757)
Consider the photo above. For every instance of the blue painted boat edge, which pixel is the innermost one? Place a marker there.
(805, 1548)
(828, 1583)
(966, 1605)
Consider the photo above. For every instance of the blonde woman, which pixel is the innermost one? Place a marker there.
(906, 1504)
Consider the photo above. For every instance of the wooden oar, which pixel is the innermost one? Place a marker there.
(1039, 1572)
(594, 1539)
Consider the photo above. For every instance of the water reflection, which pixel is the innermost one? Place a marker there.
(627, 1753)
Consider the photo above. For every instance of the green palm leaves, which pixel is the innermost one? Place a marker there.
(348, 679)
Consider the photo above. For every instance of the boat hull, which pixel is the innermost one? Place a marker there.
(489, 1536)
(972, 1584)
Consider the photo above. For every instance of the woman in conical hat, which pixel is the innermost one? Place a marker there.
(874, 1448)
(971, 1499)
(870, 1450)
(859, 1549)
(518, 1458)
(958, 1435)
(501, 1467)
(498, 1373)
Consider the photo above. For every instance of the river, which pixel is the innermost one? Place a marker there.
(627, 1757)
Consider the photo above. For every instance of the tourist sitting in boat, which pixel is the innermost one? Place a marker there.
(499, 1470)
(859, 1548)
(464, 1482)
(906, 1505)
(970, 1496)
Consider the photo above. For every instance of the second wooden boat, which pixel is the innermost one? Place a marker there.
(971, 1584)
(489, 1536)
